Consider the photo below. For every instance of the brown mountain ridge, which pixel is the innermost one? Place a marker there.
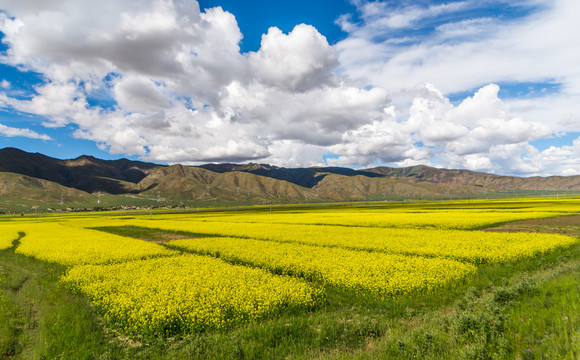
(26, 174)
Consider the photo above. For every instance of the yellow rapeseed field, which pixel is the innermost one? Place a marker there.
(187, 293)
(463, 220)
(7, 236)
(472, 246)
(372, 273)
(149, 289)
(66, 245)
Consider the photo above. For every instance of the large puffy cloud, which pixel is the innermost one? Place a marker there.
(473, 126)
(300, 60)
(319, 116)
(389, 48)
(178, 89)
(480, 133)
(562, 160)
(169, 41)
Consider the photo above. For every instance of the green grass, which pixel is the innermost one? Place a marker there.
(40, 319)
(554, 330)
(504, 312)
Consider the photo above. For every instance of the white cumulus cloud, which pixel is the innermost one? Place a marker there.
(180, 90)
(300, 60)
(18, 132)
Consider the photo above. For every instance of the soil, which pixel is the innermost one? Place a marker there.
(567, 225)
(161, 237)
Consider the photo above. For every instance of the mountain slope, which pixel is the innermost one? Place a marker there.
(195, 183)
(17, 186)
(484, 180)
(84, 173)
(339, 187)
(305, 177)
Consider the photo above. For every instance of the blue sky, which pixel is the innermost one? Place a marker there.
(483, 85)
(256, 17)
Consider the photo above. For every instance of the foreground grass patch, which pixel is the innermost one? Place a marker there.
(40, 319)
(501, 314)
(553, 329)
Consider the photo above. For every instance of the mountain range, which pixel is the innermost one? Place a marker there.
(33, 176)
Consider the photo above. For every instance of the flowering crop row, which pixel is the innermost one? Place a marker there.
(377, 274)
(7, 236)
(412, 220)
(472, 246)
(69, 246)
(165, 296)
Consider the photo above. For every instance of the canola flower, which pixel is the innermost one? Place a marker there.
(444, 220)
(7, 236)
(9, 231)
(372, 273)
(187, 293)
(472, 246)
(70, 246)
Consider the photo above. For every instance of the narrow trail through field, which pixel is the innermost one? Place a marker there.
(19, 285)
(21, 310)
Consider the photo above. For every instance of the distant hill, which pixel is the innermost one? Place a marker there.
(17, 186)
(305, 177)
(483, 180)
(36, 176)
(198, 183)
(84, 173)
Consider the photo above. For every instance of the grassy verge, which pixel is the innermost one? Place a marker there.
(149, 234)
(553, 329)
(39, 319)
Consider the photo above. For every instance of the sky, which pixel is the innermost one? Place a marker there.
(484, 85)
